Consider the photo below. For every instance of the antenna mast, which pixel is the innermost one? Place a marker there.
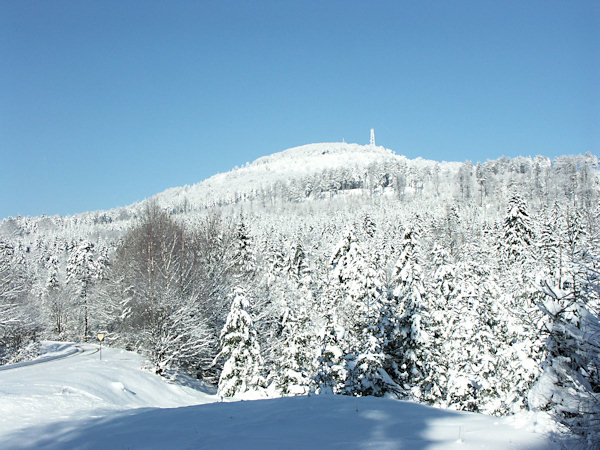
(372, 143)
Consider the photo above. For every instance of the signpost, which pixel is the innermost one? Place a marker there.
(100, 338)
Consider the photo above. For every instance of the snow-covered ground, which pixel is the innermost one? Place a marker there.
(80, 401)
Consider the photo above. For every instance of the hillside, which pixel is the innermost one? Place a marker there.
(309, 172)
(325, 171)
(81, 401)
(313, 163)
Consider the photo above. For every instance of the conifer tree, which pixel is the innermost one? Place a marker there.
(359, 283)
(55, 300)
(83, 270)
(297, 267)
(570, 382)
(243, 255)
(410, 336)
(442, 296)
(295, 365)
(331, 373)
(239, 349)
(550, 243)
(518, 230)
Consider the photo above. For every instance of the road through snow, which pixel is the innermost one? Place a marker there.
(54, 351)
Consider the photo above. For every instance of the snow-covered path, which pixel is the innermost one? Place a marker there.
(70, 382)
(82, 402)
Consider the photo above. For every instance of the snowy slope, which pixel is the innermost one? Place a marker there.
(81, 402)
(79, 384)
(286, 166)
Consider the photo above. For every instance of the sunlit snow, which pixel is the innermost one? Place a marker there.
(80, 401)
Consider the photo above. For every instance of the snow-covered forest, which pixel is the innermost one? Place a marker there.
(337, 268)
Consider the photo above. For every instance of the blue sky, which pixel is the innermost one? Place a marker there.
(106, 103)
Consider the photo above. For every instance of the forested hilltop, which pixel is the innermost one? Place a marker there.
(337, 268)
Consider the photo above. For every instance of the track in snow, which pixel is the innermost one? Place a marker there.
(77, 349)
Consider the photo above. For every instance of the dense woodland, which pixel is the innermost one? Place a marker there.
(472, 287)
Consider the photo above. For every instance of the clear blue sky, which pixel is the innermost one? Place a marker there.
(103, 103)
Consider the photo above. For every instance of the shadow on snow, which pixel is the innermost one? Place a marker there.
(293, 422)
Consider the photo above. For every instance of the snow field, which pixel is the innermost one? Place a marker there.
(81, 402)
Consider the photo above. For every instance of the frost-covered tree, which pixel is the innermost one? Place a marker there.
(83, 269)
(570, 384)
(358, 281)
(442, 295)
(410, 334)
(181, 340)
(331, 373)
(244, 260)
(56, 299)
(518, 230)
(18, 317)
(239, 349)
(297, 266)
(296, 363)
(161, 290)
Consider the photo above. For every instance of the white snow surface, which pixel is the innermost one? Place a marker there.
(79, 401)
(286, 166)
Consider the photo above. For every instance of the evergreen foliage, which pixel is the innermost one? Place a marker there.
(240, 349)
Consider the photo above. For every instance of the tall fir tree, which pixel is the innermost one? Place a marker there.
(331, 373)
(239, 349)
(83, 269)
(518, 230)
(411, 335)
(295, 365)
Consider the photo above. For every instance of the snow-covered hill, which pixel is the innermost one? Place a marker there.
(80, 401)
(270, 174)
(313, 171)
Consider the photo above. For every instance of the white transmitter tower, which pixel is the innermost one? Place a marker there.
(372, 142)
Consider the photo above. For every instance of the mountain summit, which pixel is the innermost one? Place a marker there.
(313, 168)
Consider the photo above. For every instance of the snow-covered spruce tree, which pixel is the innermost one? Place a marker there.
(550, 243)
(442, 293)
(297, 266)
(82, 271)
(470, 356)
(365, 368)
(569, 386)
(55, 299)
(331, 373)
(518, 230)
(410, 337)
(361, 305)
(357, 282)
(292, 345)
(369, 225)
(517, 322)
(296, 364)
(239, 349)
(575, 241)
(275, 260)
(244, 260)
(365, 365)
